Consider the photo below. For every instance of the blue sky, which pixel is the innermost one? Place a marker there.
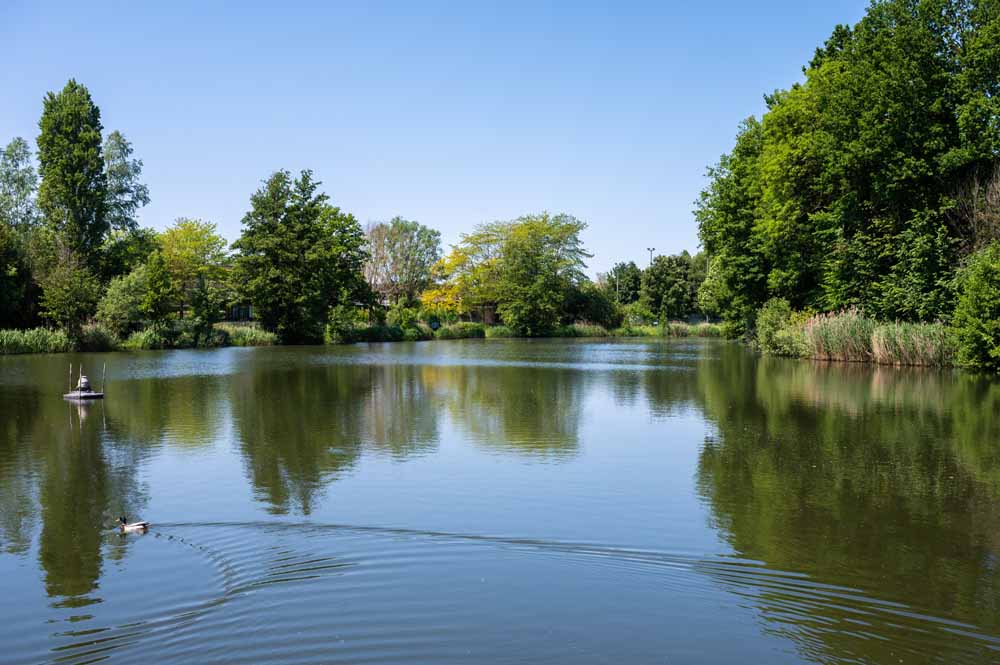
(451, 114)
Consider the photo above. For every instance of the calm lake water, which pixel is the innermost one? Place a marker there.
(489, 501)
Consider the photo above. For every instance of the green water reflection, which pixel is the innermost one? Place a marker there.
(881, 483)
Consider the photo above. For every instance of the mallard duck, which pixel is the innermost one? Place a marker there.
(135, 527)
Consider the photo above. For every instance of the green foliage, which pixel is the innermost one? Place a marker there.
(580, 330)
(160, 295)
(669, 286)
(845, 336)
(149, 339)
(18, 183)
(125, 194)
(69, 294)
(95, 337)
(196, 259)
(17, 288)
(523, 268)
(73, 193)
(401, 255)
(901, 343)
(404, 317)
(124, 251)
(208, 301)
(623, 283)
(121, 309)
(588, 303)
(674, 329)
(976, 322)
(499, 332)
(461, 330)
(35, 340)
(636, 314)
(298, 257)
(242, 334)
(778, 332)
(844, 193)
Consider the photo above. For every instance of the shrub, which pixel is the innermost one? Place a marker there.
(636, 314)
(245, 334)
(499, 331)
(461, 330)
(96, 337)
(156, 337)
(120, 310)
(402, 317)
(913, 344)
(580, 330)
(636, 331)
(36, 340)
(976, 322)
(708, 330)
(779, 330)
(845, 335)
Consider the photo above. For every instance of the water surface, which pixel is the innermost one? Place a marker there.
(492, 501)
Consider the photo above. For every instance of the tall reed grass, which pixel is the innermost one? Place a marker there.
(244, 334)
(930, 344)
(36, 340)
(845, 336)
(851, 336)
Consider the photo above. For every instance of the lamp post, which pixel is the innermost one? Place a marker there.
(650, 250)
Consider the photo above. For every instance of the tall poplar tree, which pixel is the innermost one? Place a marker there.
(73, 192)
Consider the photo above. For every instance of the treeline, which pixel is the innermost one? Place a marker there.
(874, 184)
(78, 271)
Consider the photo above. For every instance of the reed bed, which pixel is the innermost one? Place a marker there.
(461, 330)
(844, 336)
(929, 344)
(35, 340)
(242, 334)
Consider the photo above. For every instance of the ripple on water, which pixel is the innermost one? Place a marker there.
(309, 593)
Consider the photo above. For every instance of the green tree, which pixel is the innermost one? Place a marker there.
(844, 193)
(194, 253)
(73, 192)
(124, 251)
(121, 309)
(297, 256)
(125, 193)
(401, 254)
(161, 293)
(976, 322)
(623, 282)
(666, 287)
(69, 294)
(18, 185)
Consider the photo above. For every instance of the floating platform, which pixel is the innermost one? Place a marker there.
(83, 395)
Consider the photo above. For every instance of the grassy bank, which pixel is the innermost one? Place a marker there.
(851, 336)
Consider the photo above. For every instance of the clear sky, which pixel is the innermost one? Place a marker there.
(451, 114)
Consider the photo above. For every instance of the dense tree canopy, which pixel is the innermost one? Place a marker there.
(401, 254)
(125, 193)
(623, 282)
(73, 191)
(298, 257)
(195, 256)
(18, 183)
(845, 192)
(524, 268)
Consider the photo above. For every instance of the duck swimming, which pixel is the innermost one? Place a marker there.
(135, 527)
